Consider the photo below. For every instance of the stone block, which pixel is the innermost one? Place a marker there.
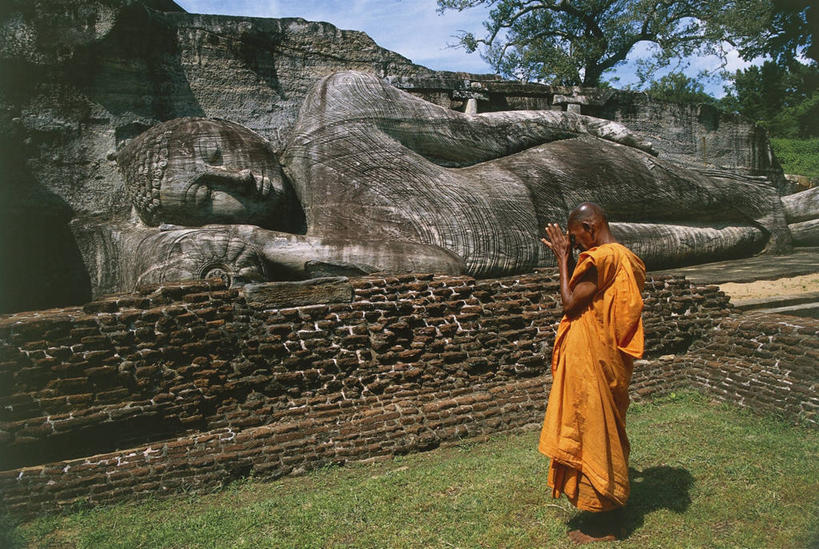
(300, 293)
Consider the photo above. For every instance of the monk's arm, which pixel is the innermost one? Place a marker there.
(578, 298)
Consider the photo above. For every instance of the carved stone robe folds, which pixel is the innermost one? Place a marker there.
(584, 431)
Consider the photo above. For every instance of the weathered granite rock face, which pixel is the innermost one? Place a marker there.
(691, 132)
(81, 77)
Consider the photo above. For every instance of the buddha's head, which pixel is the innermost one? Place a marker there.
(195, 171)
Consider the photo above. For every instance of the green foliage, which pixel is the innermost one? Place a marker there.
(783, 99)
(787, 33)
(679, 88)
(579, 41)
(703, 475)
(797, 156)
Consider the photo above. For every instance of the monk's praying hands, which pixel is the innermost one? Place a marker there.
(558, 241)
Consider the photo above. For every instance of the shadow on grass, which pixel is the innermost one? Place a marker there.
(652, 489)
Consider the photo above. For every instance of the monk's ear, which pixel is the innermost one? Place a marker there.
(587, 226)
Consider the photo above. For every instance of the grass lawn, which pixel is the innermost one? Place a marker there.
(703, 475)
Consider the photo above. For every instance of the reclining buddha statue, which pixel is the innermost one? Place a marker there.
(375, 179)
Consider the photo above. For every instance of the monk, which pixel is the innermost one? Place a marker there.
(600, 335)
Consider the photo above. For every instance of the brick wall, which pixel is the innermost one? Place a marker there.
(763, 362)
(187, 386)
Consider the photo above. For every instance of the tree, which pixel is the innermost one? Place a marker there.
(576, 42)
(781, 98)
(786, 34)
(679, 88)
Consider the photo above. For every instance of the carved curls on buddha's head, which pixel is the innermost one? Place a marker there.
(195, 171)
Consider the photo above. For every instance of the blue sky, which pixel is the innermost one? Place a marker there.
(414, 29)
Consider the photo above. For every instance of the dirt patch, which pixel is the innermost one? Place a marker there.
(762, 289)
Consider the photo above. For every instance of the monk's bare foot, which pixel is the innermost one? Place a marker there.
(581, 539)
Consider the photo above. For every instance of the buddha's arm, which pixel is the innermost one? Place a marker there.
(451, 138)
(446, 137)
(292, 252)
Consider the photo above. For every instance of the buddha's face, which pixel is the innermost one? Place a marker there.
(199, 171)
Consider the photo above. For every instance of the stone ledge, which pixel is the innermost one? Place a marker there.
(748, 304)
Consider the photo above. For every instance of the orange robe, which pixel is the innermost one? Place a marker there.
(584, 432)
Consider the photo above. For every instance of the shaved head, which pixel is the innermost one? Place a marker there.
(589, 226)
(588, 212)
